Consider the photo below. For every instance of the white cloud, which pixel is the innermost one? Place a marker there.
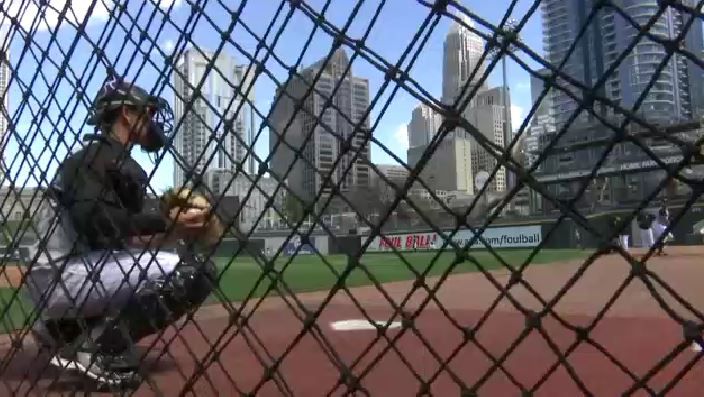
(523, 85)
(49, 15)
(401, 136)
(517, 115)
(28, 12)
(168, 45)
(165, 4)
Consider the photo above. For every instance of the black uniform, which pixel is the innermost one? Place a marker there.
(104, 190)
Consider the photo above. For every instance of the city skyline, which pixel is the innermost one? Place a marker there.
(287, 51)
(387, 131)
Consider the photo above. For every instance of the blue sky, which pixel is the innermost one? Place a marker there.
(393, 31)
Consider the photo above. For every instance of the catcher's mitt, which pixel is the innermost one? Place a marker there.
(188, 200)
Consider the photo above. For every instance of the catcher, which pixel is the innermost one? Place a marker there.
(97, 273)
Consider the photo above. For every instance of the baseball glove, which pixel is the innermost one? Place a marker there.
(188, 200)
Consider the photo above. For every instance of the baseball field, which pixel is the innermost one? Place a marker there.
(243, 277)
(612, 328)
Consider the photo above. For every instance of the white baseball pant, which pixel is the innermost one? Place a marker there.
(646, 238)
(97, 283)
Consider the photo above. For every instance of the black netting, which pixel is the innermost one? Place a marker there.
(280, 117)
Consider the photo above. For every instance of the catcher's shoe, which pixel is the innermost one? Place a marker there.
(107, 371)
(54, 334)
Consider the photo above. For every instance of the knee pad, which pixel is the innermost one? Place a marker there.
(161, 302)
(147, 311)
(197, 280)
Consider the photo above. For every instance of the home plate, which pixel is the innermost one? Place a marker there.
(358, 325)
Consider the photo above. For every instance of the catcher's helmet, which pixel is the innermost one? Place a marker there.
(117, 93)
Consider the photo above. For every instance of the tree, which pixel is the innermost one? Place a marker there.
(367, 202)
(293, 208)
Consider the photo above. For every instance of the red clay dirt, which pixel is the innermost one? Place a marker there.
(636, 332)
(11, 275)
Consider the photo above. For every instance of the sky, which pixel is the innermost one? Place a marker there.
(54, 115)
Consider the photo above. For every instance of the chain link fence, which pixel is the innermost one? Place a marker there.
(274, 113)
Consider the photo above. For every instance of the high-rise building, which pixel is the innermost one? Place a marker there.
(311, 137)
(537, 85)
(487, 115)
(449, 167)
(216, 132)
(462, 52)
(677, 93)
(425, 123)
(542, 121)
(394, 175)
(252, 197)
(673, 95)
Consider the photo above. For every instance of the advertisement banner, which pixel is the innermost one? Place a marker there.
(502, 237)
(404, 242)
(295, 242)
(497, 237)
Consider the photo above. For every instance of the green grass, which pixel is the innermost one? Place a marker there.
(310, 273)
(14, 310)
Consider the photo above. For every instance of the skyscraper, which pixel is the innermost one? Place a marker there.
(537, 85)
(220, 121)
(449, 167)
(321, 143)
(671, 96)
(542, 121)
(394, 175)
(462, 51)
(487, 115)
(676, 95)
(424, 124)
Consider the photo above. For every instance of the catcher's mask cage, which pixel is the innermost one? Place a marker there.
(117, 93)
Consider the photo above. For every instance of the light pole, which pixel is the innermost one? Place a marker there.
(510, 30)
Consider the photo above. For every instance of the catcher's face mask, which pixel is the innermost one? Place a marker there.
(159, 125)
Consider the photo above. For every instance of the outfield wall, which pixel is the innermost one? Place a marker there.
(551, 233)
(499, 237)
(504, 236)
(523, 236)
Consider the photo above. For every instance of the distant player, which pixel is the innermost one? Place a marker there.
(645, 222)
(100, 285)
(661, 223)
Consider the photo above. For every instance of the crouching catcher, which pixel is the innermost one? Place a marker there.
(99, 275)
